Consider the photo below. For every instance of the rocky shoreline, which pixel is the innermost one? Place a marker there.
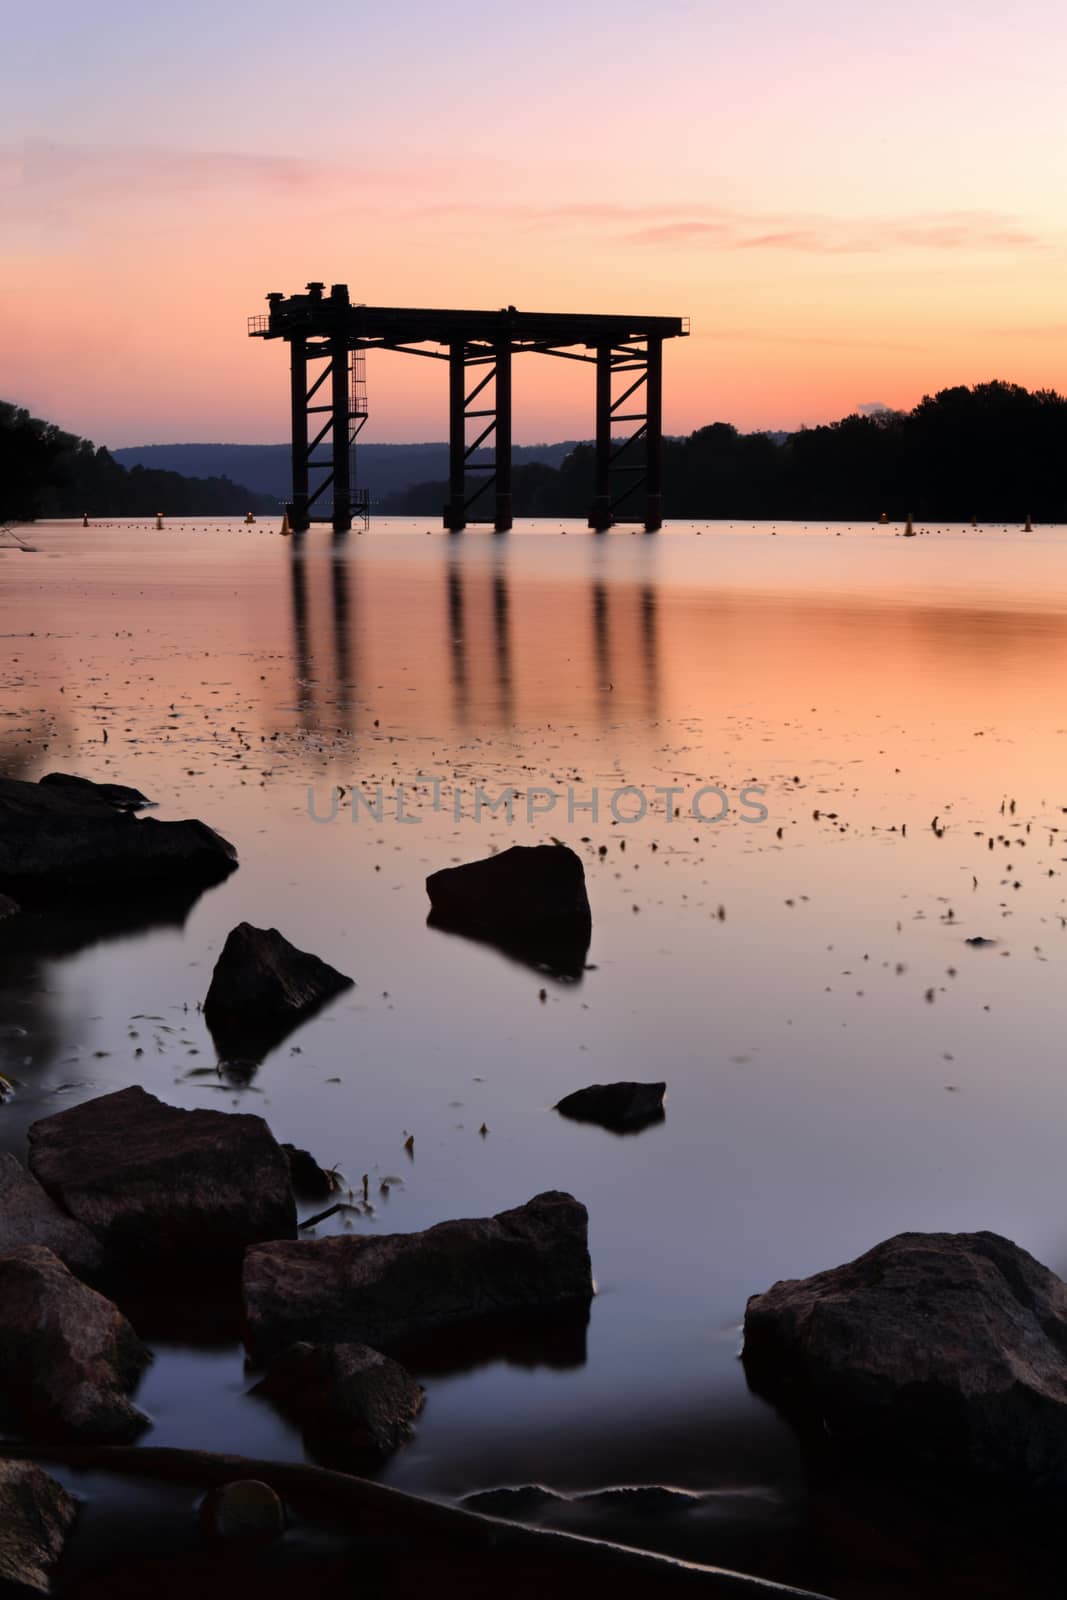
(930, 1353)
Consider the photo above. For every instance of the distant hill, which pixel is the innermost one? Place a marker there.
(382, 469)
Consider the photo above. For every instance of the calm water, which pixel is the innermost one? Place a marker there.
(841, 1065)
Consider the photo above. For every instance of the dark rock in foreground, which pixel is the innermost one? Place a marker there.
(382, 1291)
(116, 795)
(158, 1185)
(262, 988)
(351, 1402)
(620, 1107)
(8, 907)
(36, 1514)
(310, 1181)
(59, 839)
(68, 1357)
(949, 1348)
(29, 1216)
(530, 900)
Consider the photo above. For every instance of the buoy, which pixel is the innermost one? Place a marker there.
(85, 519)
(159, 521)
(884, 518)
(285, 523)
(1029, 525)
(249, 517)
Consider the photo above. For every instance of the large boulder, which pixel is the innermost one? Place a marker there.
(620, 1107)
(352, 1403)
(262, 988)
(157, 1184)
(29, 1216)
(68, 1357)
(60, 839)
(385, 1290)
(36, 1515)
(530, 900)
(949, 1348)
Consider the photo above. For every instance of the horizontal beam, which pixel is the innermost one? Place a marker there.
(311, 316)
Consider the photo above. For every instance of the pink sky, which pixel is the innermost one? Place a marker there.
(852, 204)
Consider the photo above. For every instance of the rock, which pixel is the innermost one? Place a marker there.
(55, 840)
(530, 900)
(68, 1357)
(262, 988)
(158, 1185)
(116, 795)
(310, 1181)
(36, 1514)
(245, 1510)
(517, 1504)
(8, 907)
(29, 1216)
(350, 1401)
(949, 1348)
(620, 1107)
(387, 1289)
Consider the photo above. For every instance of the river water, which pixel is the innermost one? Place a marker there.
(841, 1064)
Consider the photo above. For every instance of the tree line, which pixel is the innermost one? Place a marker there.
(45, 472)
(996, 452)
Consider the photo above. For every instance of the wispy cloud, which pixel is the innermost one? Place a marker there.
(949, 231)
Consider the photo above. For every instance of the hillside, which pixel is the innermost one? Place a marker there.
(382, 469)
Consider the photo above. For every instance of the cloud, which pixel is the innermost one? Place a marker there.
(950, 231)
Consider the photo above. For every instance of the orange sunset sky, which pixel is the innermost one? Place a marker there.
(853, 203)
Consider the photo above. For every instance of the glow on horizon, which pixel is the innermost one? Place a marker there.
(852, 204)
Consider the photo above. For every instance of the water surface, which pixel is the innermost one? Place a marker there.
(841, 1064)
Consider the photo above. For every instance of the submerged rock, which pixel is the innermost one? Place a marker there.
(384, 1290)
(36, 1515)
(262, 988)
(68, 1357)
(29, 1216)
(949, 1348)
(245, 1510)
(158, 1185)
(116, 795)
(529, 900)
(620, 1107)
(514, 1504)
(63, 839)
(350, 1401)
(310, 1181)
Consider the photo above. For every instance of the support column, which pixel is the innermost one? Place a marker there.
(455, 515)
(342, 450)
(654, 437)
(298, 381)
(502, 437)
(600, 516)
